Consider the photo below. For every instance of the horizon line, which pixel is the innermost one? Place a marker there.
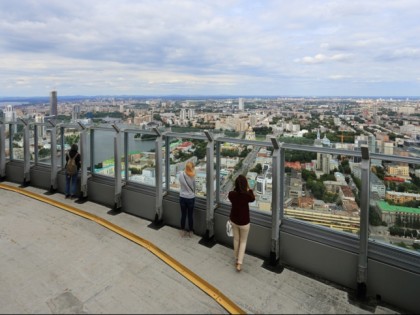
(215, 95)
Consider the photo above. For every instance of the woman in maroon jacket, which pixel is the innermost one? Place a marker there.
(240, 198)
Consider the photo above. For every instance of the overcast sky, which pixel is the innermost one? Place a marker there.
(210, 47)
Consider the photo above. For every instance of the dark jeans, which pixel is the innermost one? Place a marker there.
(187, 208)
(71, 185)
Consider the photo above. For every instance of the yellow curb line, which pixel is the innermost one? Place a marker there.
(206, 287)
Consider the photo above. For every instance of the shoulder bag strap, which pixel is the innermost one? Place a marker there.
(192, 190)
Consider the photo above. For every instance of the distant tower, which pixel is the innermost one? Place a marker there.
(183, 114)
(241, 104)
(39, 118)
(375, 113)
(53, 103)
(76, 112)
(10, 116)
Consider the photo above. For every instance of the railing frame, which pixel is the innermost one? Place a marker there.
(213, 200)
(26, 155)
(364, 224)
(2, 151)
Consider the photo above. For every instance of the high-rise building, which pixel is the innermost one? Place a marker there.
(388, 147)
(260, 185)
(53, 103)
(182, 114)
(241, 104)
(10, 116)
(76, 112)
(39, 118)
(253, 120)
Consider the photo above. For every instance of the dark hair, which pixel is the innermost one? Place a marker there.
(74, 147)
(241, 184)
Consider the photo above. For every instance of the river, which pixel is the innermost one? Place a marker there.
(104, 145)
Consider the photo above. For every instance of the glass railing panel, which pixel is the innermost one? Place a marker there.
(32, 148)
(141, 158)
(394, 211)
(16, 136)
(321, 189)
(8, 142)
(255, 163)
(181, 151)
(43, 141)
(103, 148)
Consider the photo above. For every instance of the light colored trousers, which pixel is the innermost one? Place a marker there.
(240, 237)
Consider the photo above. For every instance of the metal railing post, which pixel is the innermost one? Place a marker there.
(282, 182)
(117, 169)
(275, 205)
(159, 181)
(36, 151)
(84, 153)
(2, 151)
(218, 175)
(54, 168)
(209, 236)
(167, 163)
(364, 223)
(62, 148)
(92, 151)
(26, 154)
(11, 134)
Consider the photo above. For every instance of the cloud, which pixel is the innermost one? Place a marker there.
(321, 58)
(209, 46)
(406, 53)
(339, 77)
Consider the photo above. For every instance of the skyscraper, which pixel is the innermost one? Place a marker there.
(183, 114)
(53, 103)
(76, 113)
(10, 116)
(241, 104)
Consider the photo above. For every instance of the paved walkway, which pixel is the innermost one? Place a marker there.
(53, 261)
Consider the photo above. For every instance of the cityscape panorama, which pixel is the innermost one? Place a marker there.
(319, 188)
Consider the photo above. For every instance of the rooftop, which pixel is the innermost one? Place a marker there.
(58, 256)
(385, 206)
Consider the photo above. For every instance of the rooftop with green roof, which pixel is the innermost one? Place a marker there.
(384, 206)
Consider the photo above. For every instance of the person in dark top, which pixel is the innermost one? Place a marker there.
(71, 179)
(240, 197)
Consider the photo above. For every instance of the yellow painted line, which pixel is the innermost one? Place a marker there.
(206, 287)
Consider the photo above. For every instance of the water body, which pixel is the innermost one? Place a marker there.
(4, 104)
(104, 145)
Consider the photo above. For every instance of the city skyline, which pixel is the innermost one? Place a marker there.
(304, 48)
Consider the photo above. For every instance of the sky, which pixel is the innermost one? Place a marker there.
(210, 47)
